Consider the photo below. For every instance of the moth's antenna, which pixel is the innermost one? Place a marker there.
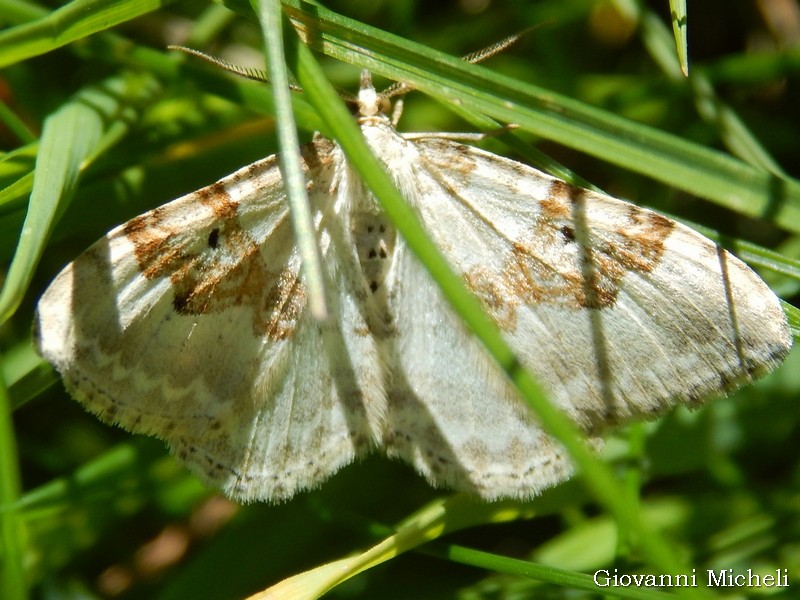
(246, 72)
(400, 87)
(497, 47)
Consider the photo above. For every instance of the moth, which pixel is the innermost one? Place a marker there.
(190, 322)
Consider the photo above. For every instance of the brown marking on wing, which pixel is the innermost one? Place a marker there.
(218, 200)
(150, 239)
(493, 294)
(213, 282)
(465, 162)
(557, 204)
(440, 156)
(226, 271)
(566, 260)
(283, 305)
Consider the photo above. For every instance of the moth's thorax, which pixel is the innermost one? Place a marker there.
(395, 152)
(370, 102)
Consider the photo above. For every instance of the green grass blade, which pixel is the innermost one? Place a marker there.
(531, 570)
(97, 117)
(75, 21)
(25, 373)
(12, 530)
(682, 164)
(55, 177)
(680, 24)
(16, 190)
(270, 18)
(431, 522)
(15, 124)
(729, 126)
(793, 315)
(21, 11)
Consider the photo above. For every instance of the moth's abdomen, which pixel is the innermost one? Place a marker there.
(374, 238)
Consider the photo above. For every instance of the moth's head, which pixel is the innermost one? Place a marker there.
(369, 101)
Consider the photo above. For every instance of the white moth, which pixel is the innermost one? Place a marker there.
(190, 321)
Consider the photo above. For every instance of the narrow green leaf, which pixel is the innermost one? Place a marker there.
(730, 127)
(97, 117)
(680, 24)
(74, 21)
(431, 522)
(531, 570)
(12, 530)
(657, 154)
(269, 13)
(15, 124)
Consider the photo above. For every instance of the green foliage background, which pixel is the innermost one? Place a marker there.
(90, 511)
